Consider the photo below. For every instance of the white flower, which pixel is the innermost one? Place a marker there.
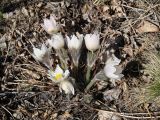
(42, 55)
(111, 69)
(74, 42)
(57, 41)
(50, 25)
(92, 41)
(67, 87)
(58, 75)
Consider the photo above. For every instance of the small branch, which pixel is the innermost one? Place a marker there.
(8, 112)
(130, 115)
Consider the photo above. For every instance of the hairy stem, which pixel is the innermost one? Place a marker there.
(88, 74)
(90, 84)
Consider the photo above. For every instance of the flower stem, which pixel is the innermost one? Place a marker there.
(88, 74)
(90, 84)
(62, 58)
(75, 62)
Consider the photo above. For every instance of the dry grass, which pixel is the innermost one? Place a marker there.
(153, 69)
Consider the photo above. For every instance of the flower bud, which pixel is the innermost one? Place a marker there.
(74, 42)
(42, 55)
(50, 25)
(111, 69)
(67, 87)
(92, 41)
(57, 41)
(58, 75)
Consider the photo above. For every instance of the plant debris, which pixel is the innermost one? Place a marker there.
(122, 30)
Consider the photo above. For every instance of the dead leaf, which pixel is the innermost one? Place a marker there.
(125, 90)
(88, 98)
(128, 50)
(3, 44)
(115, 2)
(54, 116)
(86, 11)
(102, 84)
(65, 116)
(125, 87)
(47, 113)
(105, 8)
(33, 81)
(112, 94)
(35, 114)
(33, 74)
(146, 26)
(107, 115)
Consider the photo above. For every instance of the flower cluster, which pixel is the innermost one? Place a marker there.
(58, 41)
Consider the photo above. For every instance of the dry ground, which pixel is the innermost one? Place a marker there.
(26, 93)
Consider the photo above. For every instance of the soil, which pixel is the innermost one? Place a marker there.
(26, 93)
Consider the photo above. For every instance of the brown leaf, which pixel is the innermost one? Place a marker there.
(33, 81)
(128, 50)
(33, 74)
(112, 94)
(107, 115)
(146, 26)
(102, 84)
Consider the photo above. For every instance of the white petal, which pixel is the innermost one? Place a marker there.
(67, 87)
(42, 55)
(116, 60)
(111, 69)
(58, 70)
(51, 76)
(72, 89)
(75, 42)
(80, 37)
(113, 61)
(55, 24)
(36, 51)
(50, 73)
(44, 48)
(50, 42)
(66, 74)
(109, 72)
(110, 61)
(52, 18)
(92, 41)
(118, 70)
(38, 54)
(57, 41)
(48, 24)
(69, 42)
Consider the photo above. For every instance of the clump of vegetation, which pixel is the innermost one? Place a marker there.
(153, 70)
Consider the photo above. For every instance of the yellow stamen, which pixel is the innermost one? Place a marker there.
(58, 76)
